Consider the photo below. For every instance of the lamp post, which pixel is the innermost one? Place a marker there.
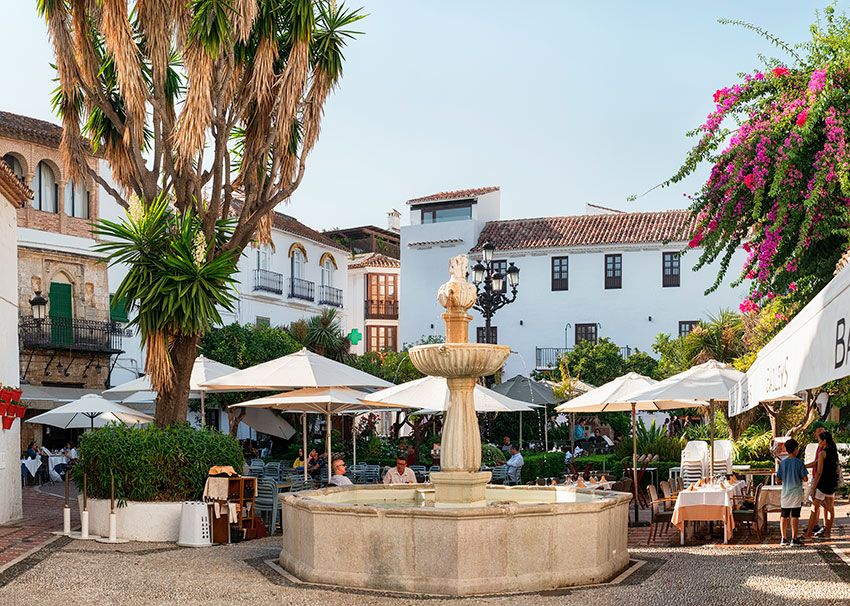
(39, 307)
(489, 283)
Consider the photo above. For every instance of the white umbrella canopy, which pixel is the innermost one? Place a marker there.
(297, 370)
(89, 412)
(431, 394)
(612, 396)
(700, 385)
(203, 370)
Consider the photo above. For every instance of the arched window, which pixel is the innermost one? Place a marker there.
(76, 200)
(328, 272)
(46, 189)
(298, 264)
(264, 253)
(15, 164)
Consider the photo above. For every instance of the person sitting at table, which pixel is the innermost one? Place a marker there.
(70, 452)
(298, 463)
(338, 478)
(515, 464)
(506, 446)
(315, 464)
(32, 450)
(411, 456)
(401, 473)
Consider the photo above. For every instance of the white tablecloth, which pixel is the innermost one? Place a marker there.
(707, 504)
(52, 462)
(32, 465)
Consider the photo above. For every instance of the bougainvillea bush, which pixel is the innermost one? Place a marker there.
(779, 184)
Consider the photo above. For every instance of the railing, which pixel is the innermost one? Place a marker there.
(67, 333)
(301, 289)
(328, 295)
(381, 309)
(268, 281)
(546, 358)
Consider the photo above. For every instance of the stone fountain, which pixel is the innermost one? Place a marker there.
(458, 535)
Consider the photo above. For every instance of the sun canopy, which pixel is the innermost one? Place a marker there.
(316, 400)
(613, 396)
(203, 370)
(297, 370)
(813, 349)
(431, 394)
(90, 411)
(697, 386)
(268, 422)
(525, 390)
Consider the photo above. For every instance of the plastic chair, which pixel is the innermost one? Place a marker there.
(272, 470)
(500, 474)
(266, 501)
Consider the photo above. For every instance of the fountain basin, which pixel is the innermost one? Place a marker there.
(459, 360)
(392, 538)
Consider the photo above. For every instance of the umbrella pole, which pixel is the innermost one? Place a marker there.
(711, 433)
(304, 439)
(354, 440)
(520, 430)
(546, 428)
(634, 458)
(328, 442)
(572, 435)
(203, 412)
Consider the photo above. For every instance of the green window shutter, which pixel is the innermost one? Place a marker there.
(61, 314)
(118, 309)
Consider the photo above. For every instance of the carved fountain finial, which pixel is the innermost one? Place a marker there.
(457, 295)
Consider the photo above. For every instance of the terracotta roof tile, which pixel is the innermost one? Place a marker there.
(587, 230)
(458, 194)
(30, 129)
(292, 225)
(12, 187)
(374, 260)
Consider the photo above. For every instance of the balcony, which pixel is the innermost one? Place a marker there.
(268, 281)
(546, 358)
(301, 289)
(381, 309)
(69, 334)
(328, 295)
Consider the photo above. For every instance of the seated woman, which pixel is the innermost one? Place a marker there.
(298, 463)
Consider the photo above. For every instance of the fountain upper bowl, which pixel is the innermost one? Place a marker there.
(455, 360)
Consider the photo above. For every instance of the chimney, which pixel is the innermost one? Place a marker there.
(394, 220)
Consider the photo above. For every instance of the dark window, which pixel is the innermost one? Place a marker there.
(560, 273)
(686, 326)
(670, 263)
(585, 332)
(502, 267)
(480, 335)
(613, 271)
(381, 338)
(263, 322)
(447, 212)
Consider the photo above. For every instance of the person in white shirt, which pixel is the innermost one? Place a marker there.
(401, 473)
(515, 464)
(339, 478)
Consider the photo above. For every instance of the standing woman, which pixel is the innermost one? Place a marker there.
(825, 481)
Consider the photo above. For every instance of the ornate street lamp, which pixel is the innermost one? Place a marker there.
(39, 307)
(490, 282)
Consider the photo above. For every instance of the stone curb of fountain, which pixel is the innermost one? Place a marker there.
(638, 572)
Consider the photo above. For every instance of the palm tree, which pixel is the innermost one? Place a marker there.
(720, 338)
(214, 104)
(323, 335)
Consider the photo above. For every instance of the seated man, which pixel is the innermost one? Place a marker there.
(338, 478)
(401, 473)
(515, 464)
(315, 464)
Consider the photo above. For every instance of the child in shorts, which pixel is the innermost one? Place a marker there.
(792, 473)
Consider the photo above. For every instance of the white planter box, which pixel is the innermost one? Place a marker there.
(137, 521)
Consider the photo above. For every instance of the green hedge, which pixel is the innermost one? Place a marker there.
(153, 464)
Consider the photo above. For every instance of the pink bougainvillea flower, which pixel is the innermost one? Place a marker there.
(781, 316)
(748, 306)
(792, 287)
(801, 118)
(780, 71)
(817, 81)
(750, 181)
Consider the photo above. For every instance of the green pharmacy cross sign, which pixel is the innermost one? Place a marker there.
(355, 336)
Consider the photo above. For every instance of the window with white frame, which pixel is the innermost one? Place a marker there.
(327, 272)
(45, 188)
(297, 264)
(76, 200)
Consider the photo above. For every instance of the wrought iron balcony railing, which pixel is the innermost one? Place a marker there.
(70, 334)
(268, 281)
(301, 289)
(546, 358)
(381, 309)
(328, 295)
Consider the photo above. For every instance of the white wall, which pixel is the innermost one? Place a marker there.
(10, 439)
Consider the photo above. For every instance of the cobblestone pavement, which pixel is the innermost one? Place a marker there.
(64, 572)
(42, 515)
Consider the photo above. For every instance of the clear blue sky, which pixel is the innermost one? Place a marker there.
(559, 102)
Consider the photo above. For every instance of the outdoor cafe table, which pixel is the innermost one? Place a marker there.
(705, 504)
(52, 462)
(770, 499)
(32, 465)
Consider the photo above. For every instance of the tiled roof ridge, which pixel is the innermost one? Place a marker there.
(31, 129)
(12, 187)
(374, 259)
(612, 217)
(457, 193)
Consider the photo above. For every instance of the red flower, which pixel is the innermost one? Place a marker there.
(780, 71)
(801, 118)
(718, 95)
(750, 181)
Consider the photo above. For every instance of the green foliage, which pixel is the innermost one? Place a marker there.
(152, 463)
(323, 335)
(491, 455)
(754, 444)
(719, 337)
(551, 465)
(651, 440)
(642, 363)
(392, 366)
(595, 363)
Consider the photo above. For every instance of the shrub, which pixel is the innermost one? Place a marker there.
(491, 455)
(551, 465)
(152, 463)
(651, 440)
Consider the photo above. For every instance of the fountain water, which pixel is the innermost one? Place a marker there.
(458, 536)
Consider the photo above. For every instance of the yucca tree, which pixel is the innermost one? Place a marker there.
(215, 104)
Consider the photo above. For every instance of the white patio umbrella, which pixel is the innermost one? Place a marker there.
(702, 385)
(297, 370)
(431, 395)
(203, 370)
(88, 412)
(316, 400)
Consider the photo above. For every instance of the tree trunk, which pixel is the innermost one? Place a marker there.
(172, 404)
(808, 418)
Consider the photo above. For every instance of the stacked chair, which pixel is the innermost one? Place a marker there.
(694, 462)
(722, 457)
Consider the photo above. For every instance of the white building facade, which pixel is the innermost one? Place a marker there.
(373, 283)
(604, 274)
